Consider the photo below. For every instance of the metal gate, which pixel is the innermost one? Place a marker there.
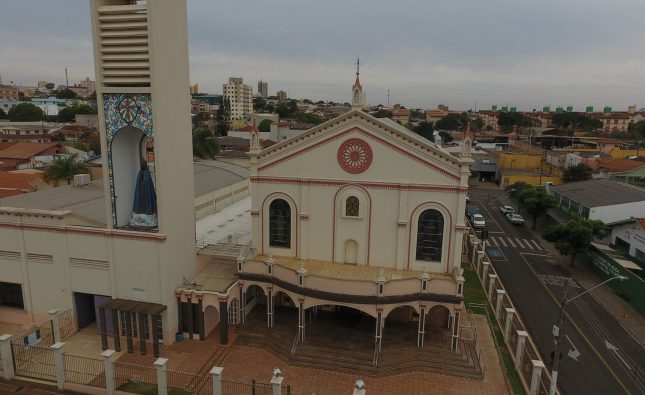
(35, 361)
(31, 354)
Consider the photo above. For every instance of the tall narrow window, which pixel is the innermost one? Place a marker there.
(232, 312)
(280, 224)
(429, 236)
(352, 206)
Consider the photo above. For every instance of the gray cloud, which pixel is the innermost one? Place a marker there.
(522, 52)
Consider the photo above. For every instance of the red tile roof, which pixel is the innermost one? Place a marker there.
(402, 112)
(23, 181)
(25, 150)
(619, 165)
(9, 192)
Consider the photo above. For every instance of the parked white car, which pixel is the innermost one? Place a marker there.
(478, 221)
(506, 209)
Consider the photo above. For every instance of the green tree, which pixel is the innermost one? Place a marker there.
(383, 114)
(446, 137)
(3, 115)
(508, 121)
(517, 188)
(66, 94)
(477, 124)
(580, 172)
(205, 145)
(637, 130)
(222, 118)
(308, 117)
(452, 122)
(425, 129)
(68, 114)
(64, 168)
(575, 236)
(536, 201)
(265, 126)
(259, 104)
(566, 120)
(25, 112)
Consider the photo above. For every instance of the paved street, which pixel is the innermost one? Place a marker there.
(599, 356)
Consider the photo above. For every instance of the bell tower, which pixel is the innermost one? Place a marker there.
(142, 90)
(358, 97)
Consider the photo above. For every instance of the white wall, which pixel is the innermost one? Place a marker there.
(618, 212)
(633, 234)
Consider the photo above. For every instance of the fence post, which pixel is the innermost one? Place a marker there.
(519, 350)
(108, 367)
(276, 381)
(535, 376)
(498, 305)
(485, 266)
(60, 363)
(216, 374)
(359, 388)
(491, 283)
(7, 358)
(509, 319)
(160, 364)
(55, 320)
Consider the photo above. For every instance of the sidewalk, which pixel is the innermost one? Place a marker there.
(623, 312)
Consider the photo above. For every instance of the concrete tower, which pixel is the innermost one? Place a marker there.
(141, 60)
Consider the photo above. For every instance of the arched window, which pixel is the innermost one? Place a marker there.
(352, 206)
(232, 312)
(429, 236)
(280, 224)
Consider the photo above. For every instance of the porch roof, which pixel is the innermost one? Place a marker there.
(216, 276)
(343, 271)
(133, 306)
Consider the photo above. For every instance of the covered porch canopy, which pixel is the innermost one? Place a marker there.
(131, 308)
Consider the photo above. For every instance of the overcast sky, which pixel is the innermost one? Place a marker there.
(527, 53)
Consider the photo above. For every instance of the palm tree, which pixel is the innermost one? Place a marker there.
(64, 168)
(205, 146)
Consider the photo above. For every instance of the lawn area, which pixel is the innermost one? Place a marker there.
(134, 387)
(474, 293)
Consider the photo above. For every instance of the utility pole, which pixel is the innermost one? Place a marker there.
(557, 333)
(388, 98)
(66, 79)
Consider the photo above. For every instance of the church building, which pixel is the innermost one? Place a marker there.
(357, 214)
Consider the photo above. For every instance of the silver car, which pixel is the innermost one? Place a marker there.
(478, 221)
(515, 219)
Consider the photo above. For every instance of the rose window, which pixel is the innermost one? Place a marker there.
(354, 156)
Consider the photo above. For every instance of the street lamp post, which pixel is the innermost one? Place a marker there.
(558, 328)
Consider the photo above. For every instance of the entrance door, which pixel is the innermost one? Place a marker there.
(85, 311)
(351, 252)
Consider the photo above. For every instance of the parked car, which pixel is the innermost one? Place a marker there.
(548, 184)
(506, 209)
(470, 210)
(478, 221)
(515, 219)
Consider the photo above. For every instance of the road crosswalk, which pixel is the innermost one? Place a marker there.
(515, 242)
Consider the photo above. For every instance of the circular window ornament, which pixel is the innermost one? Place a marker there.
(128, 109)
(354, 156)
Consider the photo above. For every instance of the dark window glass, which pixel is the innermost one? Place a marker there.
(352, 206)
(280, 224)
(429, 236)
(11, 295)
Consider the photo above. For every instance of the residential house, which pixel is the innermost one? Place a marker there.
(28, 155)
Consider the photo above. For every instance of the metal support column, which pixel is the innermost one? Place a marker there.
(103, 329)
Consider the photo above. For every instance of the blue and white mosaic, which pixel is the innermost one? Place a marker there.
(127, 109)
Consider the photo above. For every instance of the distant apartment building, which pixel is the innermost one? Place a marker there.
(401, 115)
(614, 121)
(8, 92)
(240, 98)
(263, 89)
(194, 89)
(34, 132)
(282, 95)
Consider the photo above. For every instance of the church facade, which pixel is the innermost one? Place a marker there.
(358, 212)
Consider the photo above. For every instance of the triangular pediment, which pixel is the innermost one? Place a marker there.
(352, 140)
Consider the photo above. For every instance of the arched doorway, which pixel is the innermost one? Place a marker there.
(401, 326)
(211, 319)
(256, 302)
(351, 252)
(436, 326)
